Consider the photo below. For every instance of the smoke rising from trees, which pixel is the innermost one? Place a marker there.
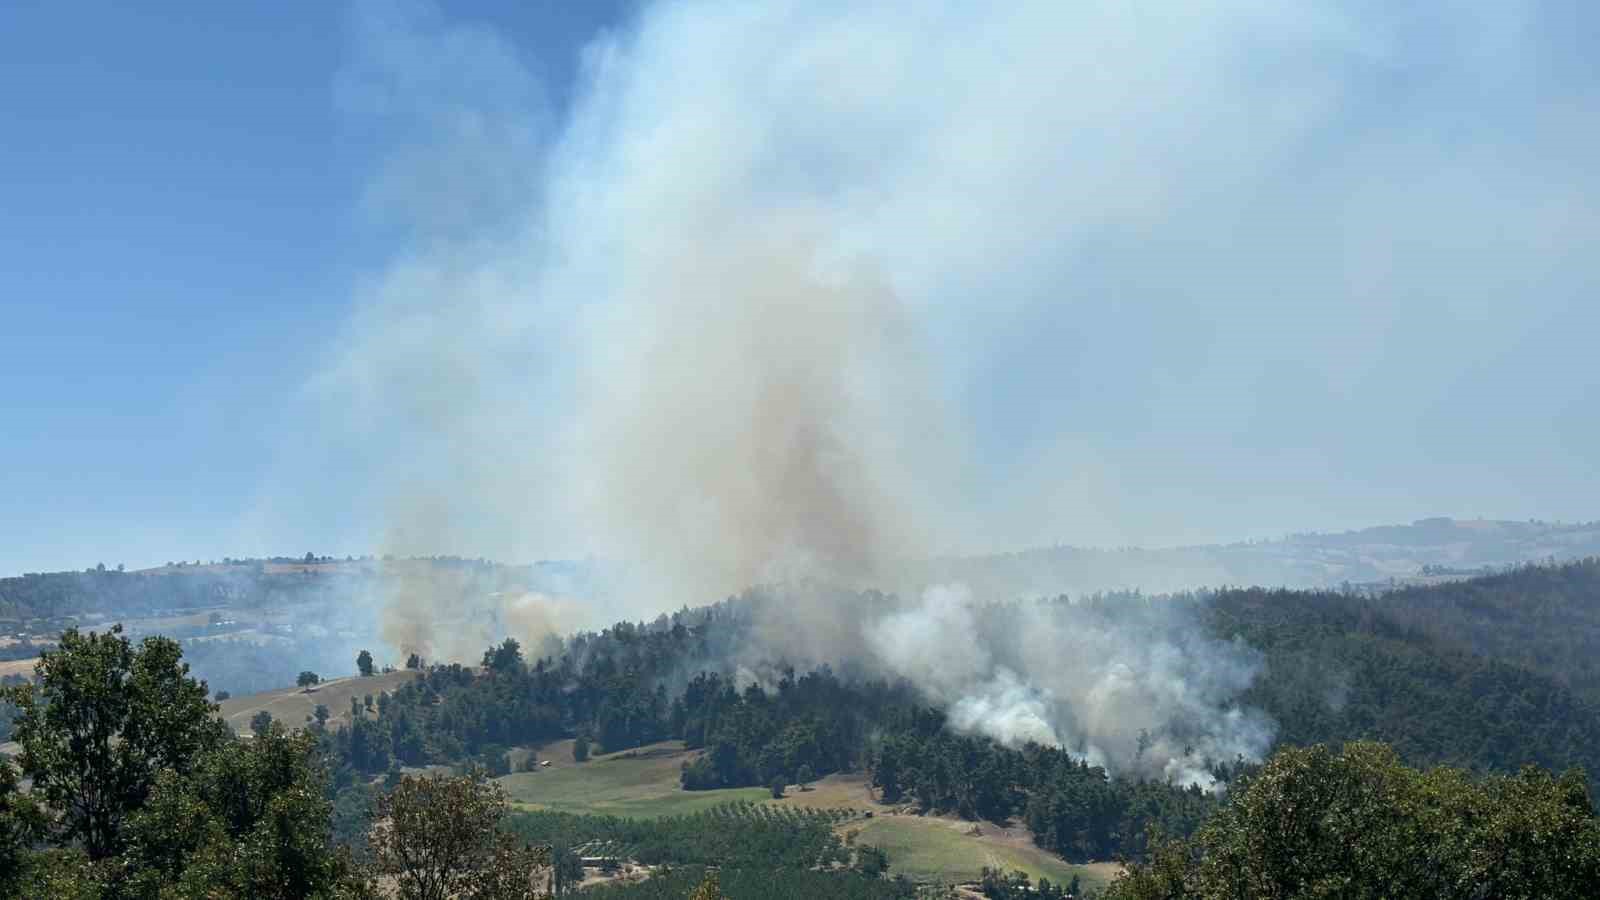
(768, 304)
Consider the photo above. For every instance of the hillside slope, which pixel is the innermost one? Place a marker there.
(292, 706)
(1419, 668)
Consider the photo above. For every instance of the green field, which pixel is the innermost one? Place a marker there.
(641, 783)
(935, 849)
(644, 783)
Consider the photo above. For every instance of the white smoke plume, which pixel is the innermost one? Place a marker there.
(1131, 684)
(738, 315)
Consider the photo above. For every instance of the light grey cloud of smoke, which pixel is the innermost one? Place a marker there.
(812, 289)
(1134, 686)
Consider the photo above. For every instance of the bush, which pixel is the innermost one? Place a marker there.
(495, 760)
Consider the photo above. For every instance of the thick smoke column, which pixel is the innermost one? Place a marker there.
(1131, 684)
(731, 319)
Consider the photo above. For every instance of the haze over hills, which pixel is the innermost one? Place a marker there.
(1424, 551)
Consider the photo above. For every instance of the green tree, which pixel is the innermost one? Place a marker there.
(103, 719)
(439, 837)
(804, 776)
(364, 663)
(778, 784)
(505, 658)
(710, 888)
(307, 679)
(251, 821)
(871, 861)
(580, 749)
(260, 722)
(1316, 824)
(22, 823)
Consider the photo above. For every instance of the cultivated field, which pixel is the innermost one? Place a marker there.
(642, 783)
(940, 848)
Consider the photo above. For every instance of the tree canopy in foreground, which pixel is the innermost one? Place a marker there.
(1315, 823)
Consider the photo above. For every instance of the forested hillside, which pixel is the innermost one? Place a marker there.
(1423, 670)
(1338, 667)
(1542, 618)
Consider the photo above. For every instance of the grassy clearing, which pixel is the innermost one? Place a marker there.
(934, 849)
(640, 783)
(832, 792)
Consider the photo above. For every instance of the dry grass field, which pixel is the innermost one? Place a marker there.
(291, 705)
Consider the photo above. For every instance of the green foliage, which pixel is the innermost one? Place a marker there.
(1072, 808)
(440, 838)
(580, 749)
(755, 884)
(307, 679)
(871, 861)
(260, 722)
(998, 885)
(710, 888)
(251, 821)
(151, 795)
(354, 809)
(1314, 823)
(66, 875)
(777, 787)
(734, 835)
(364, 663)
(495, 760)
(22, 824)
(1344, 667)
(104, 719)
(1540, 618)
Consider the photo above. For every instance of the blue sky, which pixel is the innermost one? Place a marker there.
(181, 227)
(1191, 272)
